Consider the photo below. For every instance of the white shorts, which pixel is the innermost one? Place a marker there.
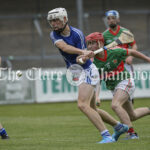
(126, 85)
(92, 75)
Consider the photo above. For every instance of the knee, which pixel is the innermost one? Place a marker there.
(133, 117)
(114, 106)
(82, 106)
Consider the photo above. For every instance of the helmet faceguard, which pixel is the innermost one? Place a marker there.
(58, 13)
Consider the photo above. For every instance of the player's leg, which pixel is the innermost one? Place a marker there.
(126, 90)
(107, 118)
(118, 127)
(120, 97)
(3, 133)
(86, 92)
(134, 115)
(137, 113)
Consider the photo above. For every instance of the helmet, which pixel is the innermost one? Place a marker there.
(95, 36)
(57, 13)
(112, 13)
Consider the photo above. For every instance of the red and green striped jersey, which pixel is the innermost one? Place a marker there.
(110, 36)
(111, 67)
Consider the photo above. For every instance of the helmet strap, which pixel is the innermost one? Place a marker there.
(61, 29)
(98, 42)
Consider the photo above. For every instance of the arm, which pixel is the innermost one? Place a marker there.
(59, 43)
(130, 58)
(137, 54)
(72, 50)
(68, 48)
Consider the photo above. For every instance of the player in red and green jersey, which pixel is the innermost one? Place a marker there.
(111, 68)
(114, 31)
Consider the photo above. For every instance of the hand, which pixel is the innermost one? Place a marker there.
(88, 53)
(84, 59)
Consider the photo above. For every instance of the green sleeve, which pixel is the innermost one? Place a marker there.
(104, 35)
(97, 65)
(122, 53)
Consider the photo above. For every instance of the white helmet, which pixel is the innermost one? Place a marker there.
(57, 13)
(112, 13)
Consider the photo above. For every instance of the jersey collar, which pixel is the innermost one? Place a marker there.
(68, 34)
(116, 32)
(105, 56)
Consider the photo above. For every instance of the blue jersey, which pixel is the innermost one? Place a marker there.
(76, 39)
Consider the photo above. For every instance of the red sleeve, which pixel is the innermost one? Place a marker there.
(126, 50)
(133, 43)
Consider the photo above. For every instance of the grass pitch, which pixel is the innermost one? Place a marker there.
(61, 126)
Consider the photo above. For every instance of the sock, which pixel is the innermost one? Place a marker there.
(3, 132)
(131, 130)
(105, 133)
(118, 126)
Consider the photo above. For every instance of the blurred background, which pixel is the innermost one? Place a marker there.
(24, 31)
(25, 43)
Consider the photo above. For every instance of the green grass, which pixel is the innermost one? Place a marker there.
(61, 126)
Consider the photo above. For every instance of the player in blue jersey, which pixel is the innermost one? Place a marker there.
(71, 43)
(3, 133)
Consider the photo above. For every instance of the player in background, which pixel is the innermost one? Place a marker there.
(3, 132)
(71, 43)
(112, 33)
(110, 63)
